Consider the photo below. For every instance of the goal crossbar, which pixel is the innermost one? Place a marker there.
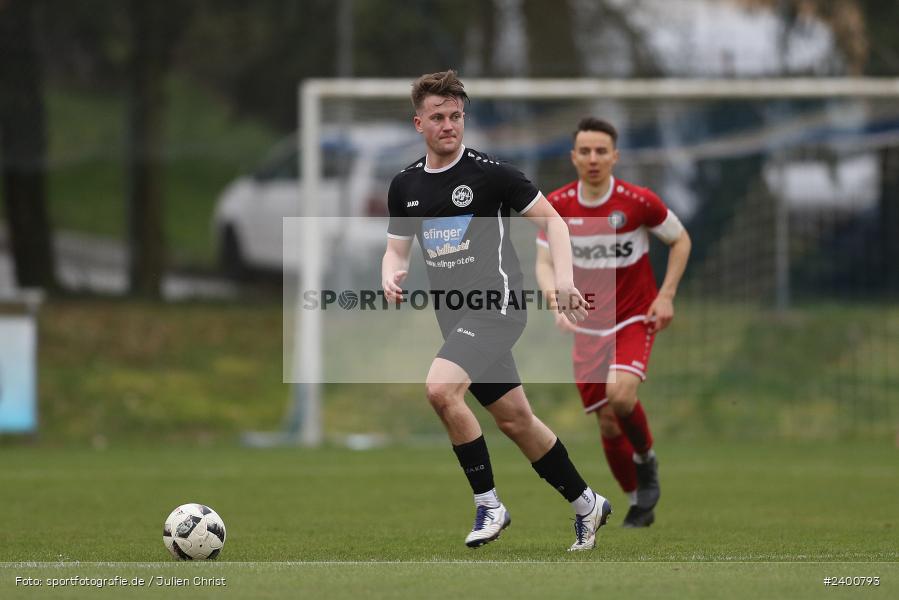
(674, 88)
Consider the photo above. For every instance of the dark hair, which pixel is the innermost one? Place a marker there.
(444, 83)
(594, 124)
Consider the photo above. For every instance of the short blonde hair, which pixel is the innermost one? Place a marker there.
(444, 83)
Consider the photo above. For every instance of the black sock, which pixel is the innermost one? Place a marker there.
(558, 471)
(475, 461)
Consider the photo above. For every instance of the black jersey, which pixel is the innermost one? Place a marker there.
(460, 215)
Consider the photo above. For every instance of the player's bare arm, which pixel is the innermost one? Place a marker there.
(395, 267)
(571, 302)
(661, 311)
(545, 272)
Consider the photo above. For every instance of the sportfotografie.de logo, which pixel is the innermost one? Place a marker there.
(374, 300)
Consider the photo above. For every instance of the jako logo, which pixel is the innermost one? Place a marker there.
(465, 331)
(412, 203)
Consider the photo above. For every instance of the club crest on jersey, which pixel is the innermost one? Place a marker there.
(462, 196)
(617, 219)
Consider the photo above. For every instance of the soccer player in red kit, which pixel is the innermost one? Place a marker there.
(609, 221)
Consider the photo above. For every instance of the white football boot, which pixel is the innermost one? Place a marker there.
(489, 522)
(586, 526)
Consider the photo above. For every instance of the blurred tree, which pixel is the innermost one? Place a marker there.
(84, 43)
(155, 26)
(23, 146)
(414, 37)
(880, 19)
(864, 30)
(551, 48)
(479, 38)
(255, 54)
(610, 43)
(889, 216)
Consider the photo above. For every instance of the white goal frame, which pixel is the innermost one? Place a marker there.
(304, 424)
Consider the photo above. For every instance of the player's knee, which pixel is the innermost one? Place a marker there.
(622, 397)
(608, 423)
(441, 396)
(515, 423)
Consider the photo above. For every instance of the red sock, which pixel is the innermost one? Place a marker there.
(619, 455)
(636, 429)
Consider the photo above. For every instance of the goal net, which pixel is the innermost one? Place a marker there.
(786, 323)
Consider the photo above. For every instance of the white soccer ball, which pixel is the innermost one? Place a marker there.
(194, 532)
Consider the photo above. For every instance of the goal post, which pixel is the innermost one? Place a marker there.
(304, 330)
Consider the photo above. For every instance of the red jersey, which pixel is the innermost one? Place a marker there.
(610, 249)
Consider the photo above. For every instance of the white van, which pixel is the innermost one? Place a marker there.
(357, 166)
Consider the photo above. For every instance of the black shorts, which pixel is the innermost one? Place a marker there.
(481, 343)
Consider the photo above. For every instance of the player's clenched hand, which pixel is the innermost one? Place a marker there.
(660, 313)
(392, 290)
(571, 303)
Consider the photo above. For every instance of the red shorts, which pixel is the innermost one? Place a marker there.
(625, 348)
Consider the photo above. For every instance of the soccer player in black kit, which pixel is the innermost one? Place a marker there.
(457, 202)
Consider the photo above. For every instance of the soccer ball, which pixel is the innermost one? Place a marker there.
(194, 532)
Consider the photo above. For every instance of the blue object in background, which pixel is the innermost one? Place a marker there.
(18, 406)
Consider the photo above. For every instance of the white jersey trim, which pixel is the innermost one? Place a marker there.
(393, 236)
(616, 328)
(449, 166)
(668, 230)
(499, 219)
(596, 406)
(599, 201)
(630, 369)
(531, 204)
(544, 243)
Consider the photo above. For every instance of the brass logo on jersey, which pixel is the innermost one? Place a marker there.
(617, 219)
(462, 196)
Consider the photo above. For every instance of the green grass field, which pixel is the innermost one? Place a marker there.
(736, 520)
(171, 373)
(776, 438)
